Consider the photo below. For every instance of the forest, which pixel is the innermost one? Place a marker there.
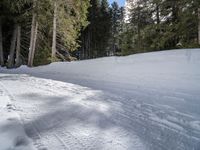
(38, 32)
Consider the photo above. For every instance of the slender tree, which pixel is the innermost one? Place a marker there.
(104, 29)
(54, 30)
(156, 9)
(33, 37)
(34, 43)
(90, 34)
(12, 48)
(199, 25)
(116, 18)
(18, 47)
(1, 45)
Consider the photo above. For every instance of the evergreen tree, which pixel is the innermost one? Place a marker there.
(115, 30)
(161, 24)
(28, 25)
(104, 29)
(95, 38)
(1, 45)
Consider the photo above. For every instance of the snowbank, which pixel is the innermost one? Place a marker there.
(153, 69)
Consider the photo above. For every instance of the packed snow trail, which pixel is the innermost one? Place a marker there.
(146, 101)
(12, 133)
(59, 116)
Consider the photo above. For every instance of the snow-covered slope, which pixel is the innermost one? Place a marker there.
(143, 101)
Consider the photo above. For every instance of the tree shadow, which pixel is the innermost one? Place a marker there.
(68, 116)
(63, 114)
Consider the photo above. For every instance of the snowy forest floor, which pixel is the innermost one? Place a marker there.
(140, 102)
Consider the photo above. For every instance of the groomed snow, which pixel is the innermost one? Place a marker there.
(12, 134)
(144, 101)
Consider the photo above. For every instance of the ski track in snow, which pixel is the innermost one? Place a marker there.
(12, 133)
(155, 111)
(65, 116)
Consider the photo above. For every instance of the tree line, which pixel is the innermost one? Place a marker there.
(37, 32)
(101, 37)
(155, 25)
(143, 26)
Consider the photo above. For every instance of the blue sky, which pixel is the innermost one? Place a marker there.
(120, 2)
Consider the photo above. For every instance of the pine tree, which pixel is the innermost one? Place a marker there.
(53, 55)
(117, 27)
(31, 25)
(104, 28)
(1, 45)
(199, 25)
(12, 48)
(18, 46)
(33, 37)
(14, 13)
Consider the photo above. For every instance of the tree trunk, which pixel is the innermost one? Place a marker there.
(18, 63)
(34, 43)
(88, 43)
(139, 44)
(199, 26)
(34, 31)
(12, 48)
(84, 45)
(54, 31)
(31, 40)
(157, 14)
(139, 38)
(1, 46)
(34, 28)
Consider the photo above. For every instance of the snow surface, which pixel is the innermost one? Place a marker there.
(140, 102)
(12, 133)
